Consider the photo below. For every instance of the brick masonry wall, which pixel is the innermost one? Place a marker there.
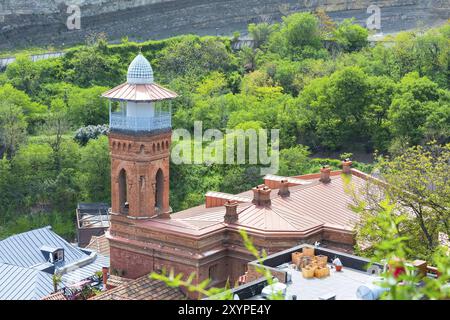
(141, 157)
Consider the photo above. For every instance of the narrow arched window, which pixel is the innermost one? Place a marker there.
(123, 192)
(159, 192)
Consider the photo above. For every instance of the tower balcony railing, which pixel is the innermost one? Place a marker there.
(161, 121)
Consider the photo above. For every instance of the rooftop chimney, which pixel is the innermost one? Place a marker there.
(261, 195)
(105, 277)
(284, 188)
(346, 166)
(325, 174)
(231, 215)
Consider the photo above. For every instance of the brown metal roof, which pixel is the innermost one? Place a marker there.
(142, 288)
(308, 208)
(140, 93)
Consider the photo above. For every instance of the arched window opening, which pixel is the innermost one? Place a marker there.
(123, 192)
(159, 192)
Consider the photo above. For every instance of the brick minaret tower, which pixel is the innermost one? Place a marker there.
(139, 139)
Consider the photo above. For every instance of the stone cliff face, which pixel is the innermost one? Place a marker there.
(43, 22)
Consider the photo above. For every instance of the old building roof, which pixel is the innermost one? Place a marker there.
(99, 244)
(308, 208)
(24, 249)
(19, 283)
(142, 288)
(139, 93)
(56, 296)
(28, 268)
(116, 281)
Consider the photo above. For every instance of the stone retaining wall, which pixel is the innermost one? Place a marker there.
(43, 22)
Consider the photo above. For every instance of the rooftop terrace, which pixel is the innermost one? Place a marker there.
(342, 285)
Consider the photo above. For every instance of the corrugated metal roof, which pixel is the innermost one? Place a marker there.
(140, 92)
(18, 283)
(85, 272)
(24, 249)
(25, 272)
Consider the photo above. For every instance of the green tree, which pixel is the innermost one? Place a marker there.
(350, 36)
(94, 175)
(93, 65)
(29, 76)
(195, 57)
(301, 30)
(33, 167)
(294, 161)
(260, 32)
(33, 112)
(12, 128)
(416, 183)
(407, 117)
(23, 74)
(339, 105)
(87, 107)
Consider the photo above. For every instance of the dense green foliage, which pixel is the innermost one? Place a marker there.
(397, 249)
(417, 186)
(344, 98)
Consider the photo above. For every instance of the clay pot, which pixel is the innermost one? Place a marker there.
(309, 252)
(308, 272)
(338, 268)
(322, 260)
(296, 258)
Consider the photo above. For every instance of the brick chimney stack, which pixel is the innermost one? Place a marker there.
(231, 215)
(346, 166)
(261, 195)
(325, 174)
(105, 277)
(284, 189)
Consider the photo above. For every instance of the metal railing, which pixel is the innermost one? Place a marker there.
(160, 121)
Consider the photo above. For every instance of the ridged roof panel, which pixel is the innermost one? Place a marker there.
(140, 93)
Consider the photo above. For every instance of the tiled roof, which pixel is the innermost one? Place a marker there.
(142, 288)
(115, 281)
(55, 296)
(139, 93)
(19, 283)
(99, 244)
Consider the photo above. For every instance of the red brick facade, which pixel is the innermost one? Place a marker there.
(140, 157)
(142, 240)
